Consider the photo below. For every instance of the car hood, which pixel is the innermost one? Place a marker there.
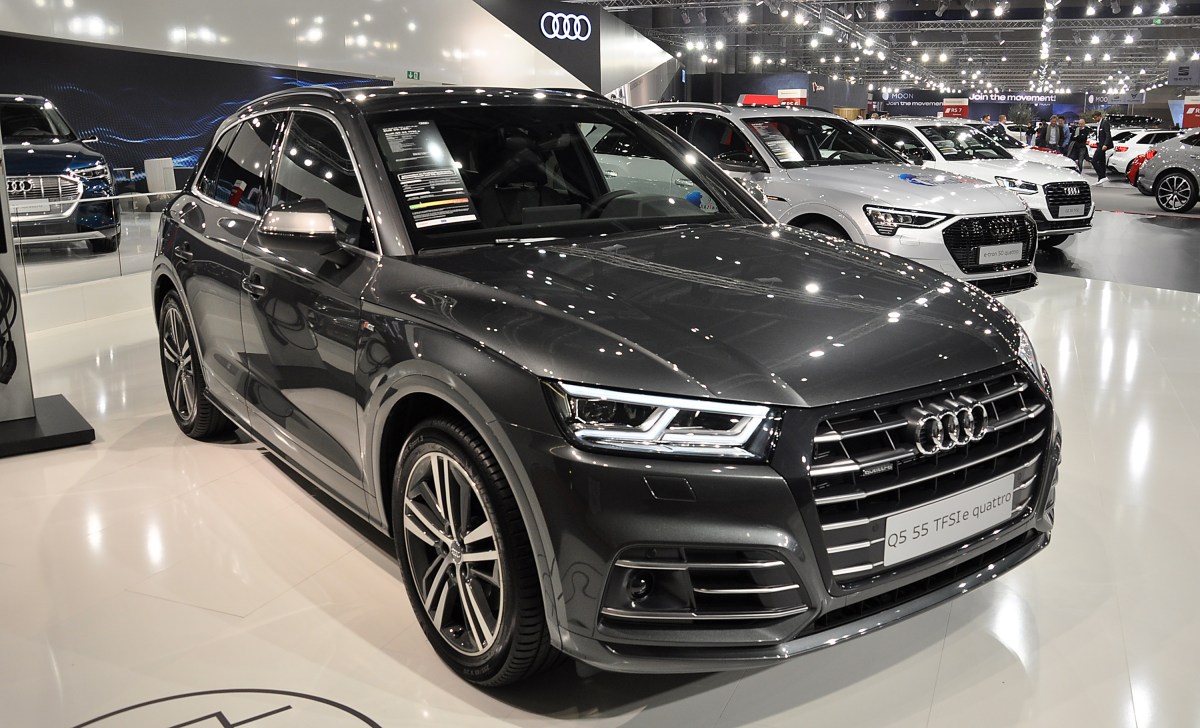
(1022, 169)
(905, 186)
(758, 313)
(47, 158)
(1037, 155)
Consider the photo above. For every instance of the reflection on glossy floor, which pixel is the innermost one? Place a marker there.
(148, 565)
(48, 265)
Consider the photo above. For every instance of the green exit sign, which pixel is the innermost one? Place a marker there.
(413, 75)
(1158, 21)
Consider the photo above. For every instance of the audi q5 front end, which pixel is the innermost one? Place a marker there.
(631, 420)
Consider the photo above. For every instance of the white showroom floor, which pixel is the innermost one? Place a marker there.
(148, 565)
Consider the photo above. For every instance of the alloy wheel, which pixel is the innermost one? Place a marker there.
(1174, 192)
(179, 364)
(453, 554)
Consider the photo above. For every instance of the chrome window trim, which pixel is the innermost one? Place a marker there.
(195, 189)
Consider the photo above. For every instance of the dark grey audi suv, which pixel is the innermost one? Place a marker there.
(605, 410)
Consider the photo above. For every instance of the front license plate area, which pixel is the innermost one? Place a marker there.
(26, 207)
(933, 526)
(1006, 253)
(1071, 210)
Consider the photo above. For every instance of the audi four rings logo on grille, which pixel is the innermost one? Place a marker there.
(566, 26)
(19, 186)
(1072, 191)
(948, 425)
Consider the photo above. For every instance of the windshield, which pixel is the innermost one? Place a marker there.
(21, 121)
(962, 143)
(1003, 140)
(802, 141)
(495, 174)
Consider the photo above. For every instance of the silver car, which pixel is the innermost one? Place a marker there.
(816, 170)
(1171, 174)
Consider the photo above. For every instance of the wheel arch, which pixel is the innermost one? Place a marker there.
(798, 216)
(417, 390)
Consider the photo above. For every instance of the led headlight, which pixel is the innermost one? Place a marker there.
(1021, 187)
(646, 423)
(96, 171)
(886, 220)
(1029, 358)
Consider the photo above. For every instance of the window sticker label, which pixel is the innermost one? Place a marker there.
(779, 145)
(433, 187)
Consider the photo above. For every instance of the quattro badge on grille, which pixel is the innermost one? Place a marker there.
(947, 425)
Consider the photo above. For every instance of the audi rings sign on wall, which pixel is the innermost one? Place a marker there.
(566, 26)
(947, 425)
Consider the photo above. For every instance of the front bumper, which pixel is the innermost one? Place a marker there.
(607, 515)
(928, 247)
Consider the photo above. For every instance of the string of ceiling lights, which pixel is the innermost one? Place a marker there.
(848, 40)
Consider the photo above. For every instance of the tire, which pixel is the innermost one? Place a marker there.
(1175, 191)
(1052, 241)
(498, 636)
(104, 245)
(825, 227)
(187, 396)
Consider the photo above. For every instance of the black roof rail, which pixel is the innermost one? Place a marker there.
(584, 91)
(326, 91)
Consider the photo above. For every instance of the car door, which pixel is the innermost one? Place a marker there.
(301, 312)
(214, 222)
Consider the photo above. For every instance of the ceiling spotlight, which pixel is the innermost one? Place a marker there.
(914, 42)
(1164, 8)
(1003, 59)
(837, 59)
(1115, 6)
(1137, 9)
(965, 38)
(969, 5)
(685, 16)
(1171, 55)
(859, 12)
(846, 10)
(881, 11)
(1091, 9)
(756, 60)
(1195, 56)
(773, 6)
(743, 16)
(941, 8)
(729, 15)
(1087, 56)
(701, 16)
(924, 58)
(1095, 39)
(719, 45)
(998, 11)
(784, 11)
(1106, 57)
(814, 42)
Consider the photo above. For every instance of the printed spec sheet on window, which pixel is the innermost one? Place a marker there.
(433, 187)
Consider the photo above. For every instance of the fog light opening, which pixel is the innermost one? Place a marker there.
(638, 585)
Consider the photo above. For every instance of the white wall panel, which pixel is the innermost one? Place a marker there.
(446, 41)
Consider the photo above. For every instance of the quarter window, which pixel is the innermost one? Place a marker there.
(316, 165)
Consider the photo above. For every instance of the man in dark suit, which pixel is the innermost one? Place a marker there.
(1104, 142)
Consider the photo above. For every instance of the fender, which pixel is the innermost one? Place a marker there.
(817, 208)
(417, 376)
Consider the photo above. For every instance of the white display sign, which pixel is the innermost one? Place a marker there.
(939, 524)
(16, 389)
(1183, 74)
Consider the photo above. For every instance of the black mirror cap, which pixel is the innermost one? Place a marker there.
(304, 226)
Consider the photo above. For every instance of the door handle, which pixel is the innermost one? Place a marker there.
(183, 251)
(252, 287)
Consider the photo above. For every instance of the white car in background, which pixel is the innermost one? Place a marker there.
(815, 170)
(1129, 143)
(1060, 199)
(1021, 151)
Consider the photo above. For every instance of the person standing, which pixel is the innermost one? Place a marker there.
(1053, 134)
(1077, 148)
(1103, 144)
(1067, 136)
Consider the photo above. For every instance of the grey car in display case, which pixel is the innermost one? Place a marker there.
(650, 429)
(60, 190)
(1172, 173)
(818, 171)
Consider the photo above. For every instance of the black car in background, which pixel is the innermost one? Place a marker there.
(651, 430)
(59, 189)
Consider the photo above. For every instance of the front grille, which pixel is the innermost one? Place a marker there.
(1068, 193)
(693, 586)
(866, 468)
(1044, 225)
(39, 198)
(964, 237)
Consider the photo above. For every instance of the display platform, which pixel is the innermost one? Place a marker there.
(56, 425)
(150, 567)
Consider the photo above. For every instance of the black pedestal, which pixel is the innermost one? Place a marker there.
(56, 425)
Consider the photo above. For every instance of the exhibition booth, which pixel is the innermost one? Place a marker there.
(496, 362)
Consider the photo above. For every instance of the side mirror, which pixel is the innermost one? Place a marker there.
(742, 162)
(304, 226)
